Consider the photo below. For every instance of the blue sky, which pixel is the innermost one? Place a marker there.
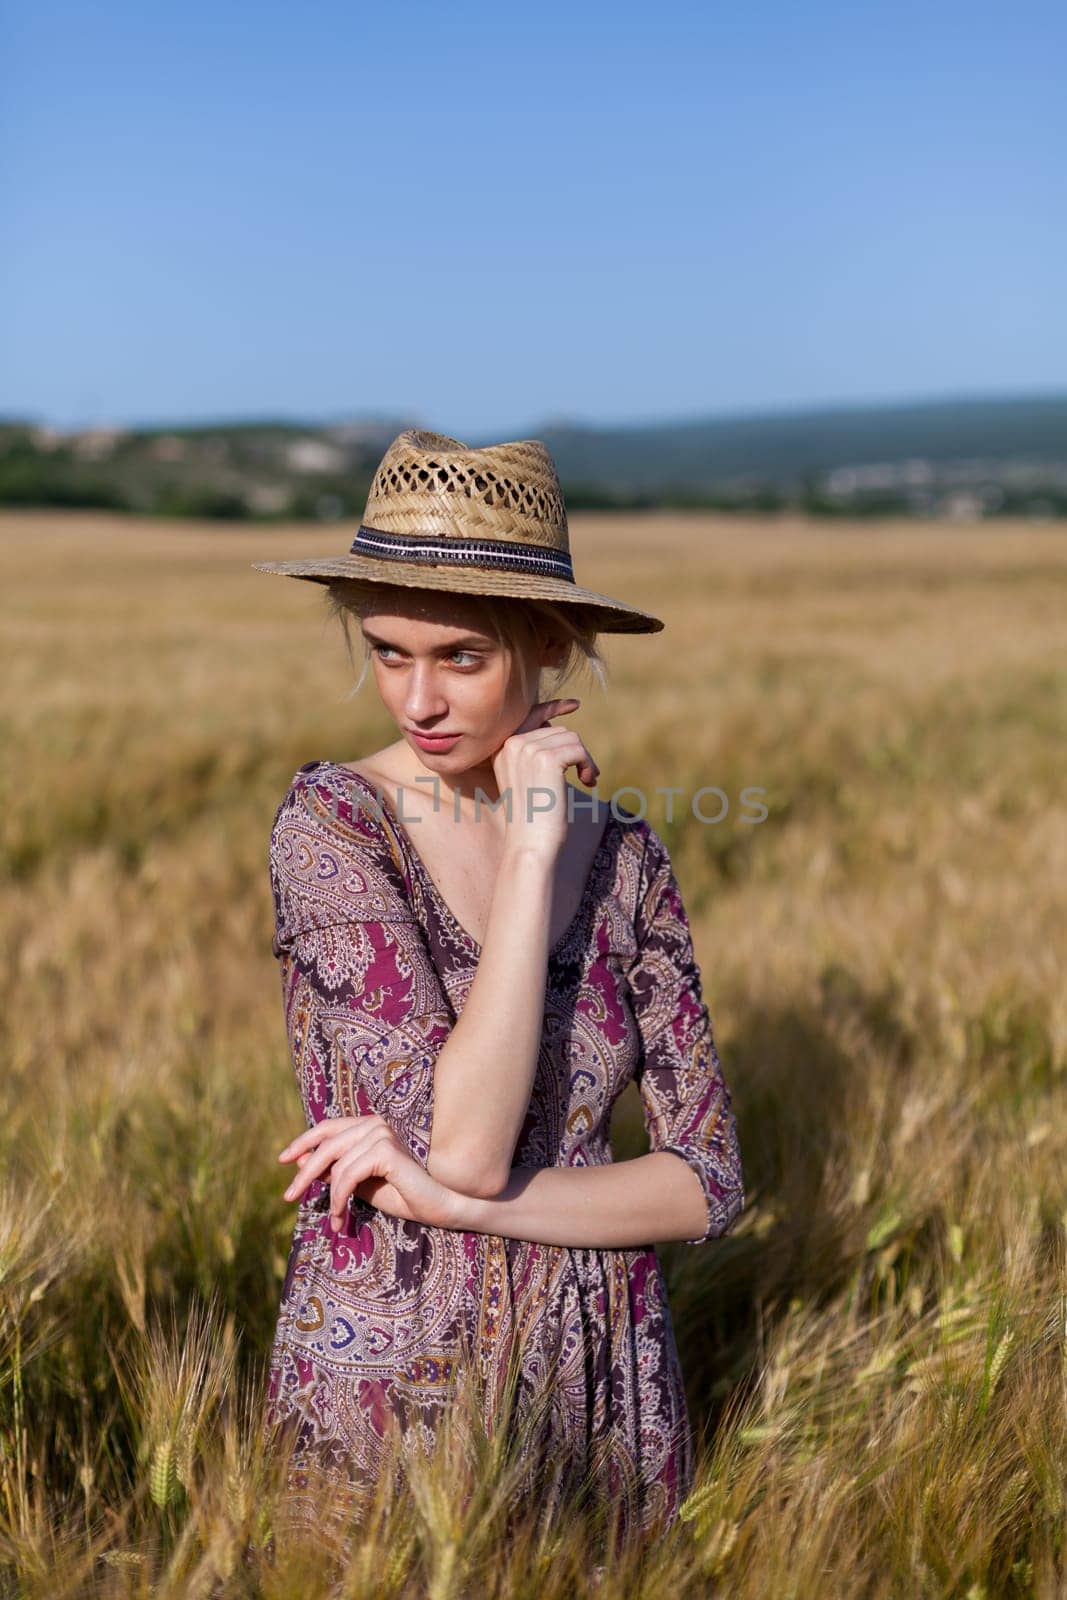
(483, 217)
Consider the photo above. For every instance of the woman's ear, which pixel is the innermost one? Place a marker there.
(553, 652)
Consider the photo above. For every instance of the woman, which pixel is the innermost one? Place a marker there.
(476, 958)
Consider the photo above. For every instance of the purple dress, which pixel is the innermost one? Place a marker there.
(376, 1319)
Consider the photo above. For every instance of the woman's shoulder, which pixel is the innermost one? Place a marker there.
(331, 849)
(330, 796)
(640, 838)
(641, 863)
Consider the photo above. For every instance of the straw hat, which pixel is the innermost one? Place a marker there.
(441, 515)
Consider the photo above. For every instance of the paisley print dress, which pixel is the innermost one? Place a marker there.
(377, 1320)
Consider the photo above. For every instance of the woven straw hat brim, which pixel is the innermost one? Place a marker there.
(606, 614)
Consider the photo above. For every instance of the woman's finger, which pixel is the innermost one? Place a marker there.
(367, 1161)
(317, 1166)
(538, 738)
(324, 1142)
(537, 714)
(311, 1136)
(302, 1180)
(568, 749)
(320, 1159)
(548, 738)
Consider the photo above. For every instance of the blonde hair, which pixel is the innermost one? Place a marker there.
(517, 624)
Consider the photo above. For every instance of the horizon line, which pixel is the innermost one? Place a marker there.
(559, 420)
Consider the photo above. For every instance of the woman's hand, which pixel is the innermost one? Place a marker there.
(535, 757)
(368, 1160)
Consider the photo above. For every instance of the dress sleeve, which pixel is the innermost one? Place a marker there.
(684, 1094)
(366, 1014)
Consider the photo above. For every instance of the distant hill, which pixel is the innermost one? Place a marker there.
(779, 447)
(950, 458)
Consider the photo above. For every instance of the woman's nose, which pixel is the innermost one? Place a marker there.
(422, 699)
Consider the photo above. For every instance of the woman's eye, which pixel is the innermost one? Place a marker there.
(385, 651)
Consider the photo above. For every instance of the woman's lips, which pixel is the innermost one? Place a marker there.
(434, 741)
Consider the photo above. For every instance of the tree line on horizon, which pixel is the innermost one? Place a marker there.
(966, 460)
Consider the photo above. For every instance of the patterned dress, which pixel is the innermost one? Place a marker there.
(377, 1320)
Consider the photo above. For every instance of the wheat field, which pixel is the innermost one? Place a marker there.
(875, 1357)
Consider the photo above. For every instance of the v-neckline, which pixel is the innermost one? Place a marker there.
(591, 881)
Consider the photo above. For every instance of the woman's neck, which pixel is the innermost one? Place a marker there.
(475, 781)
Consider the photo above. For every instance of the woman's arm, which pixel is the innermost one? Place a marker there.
(483, 1076)
(686, 1099)
(625, 1205)
(688, 1115)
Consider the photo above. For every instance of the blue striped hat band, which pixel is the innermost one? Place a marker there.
(501, 555)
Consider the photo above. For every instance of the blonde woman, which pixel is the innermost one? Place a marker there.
(476, 958)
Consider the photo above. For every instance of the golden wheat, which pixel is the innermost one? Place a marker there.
(877, 1355)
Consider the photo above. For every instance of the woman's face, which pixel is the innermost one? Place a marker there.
(439, 671)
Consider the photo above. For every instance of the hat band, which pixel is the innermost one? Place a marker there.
(501, 555)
